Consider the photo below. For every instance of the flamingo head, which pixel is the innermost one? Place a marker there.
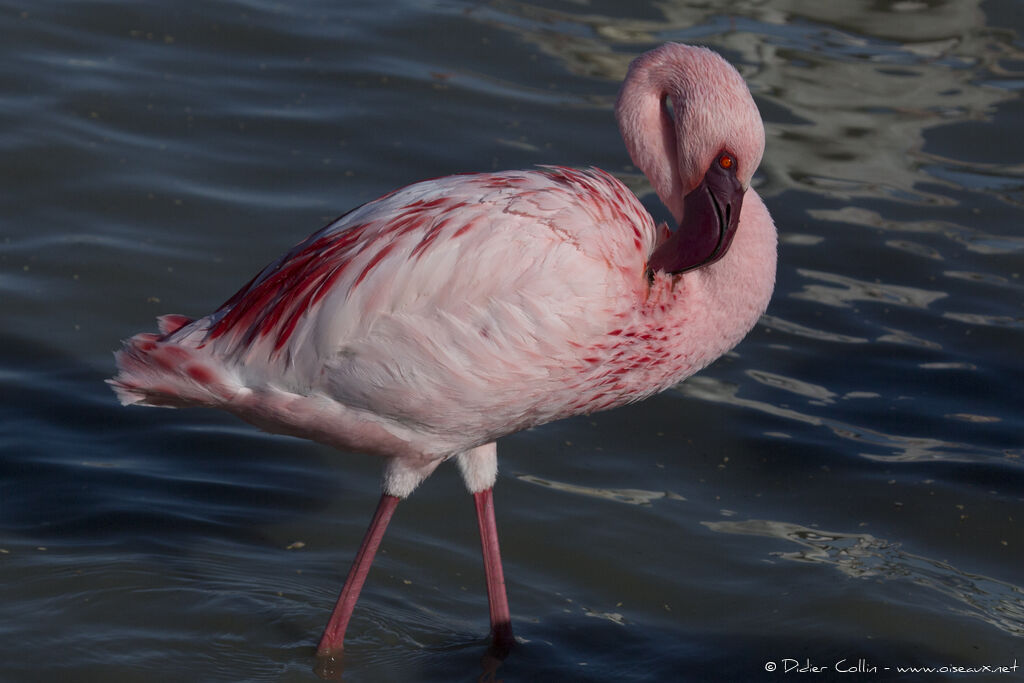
(691, 125)
(711, 214)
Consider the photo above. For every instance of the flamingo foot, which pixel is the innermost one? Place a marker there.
(328, 665)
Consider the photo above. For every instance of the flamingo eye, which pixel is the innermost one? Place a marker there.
(726, 161)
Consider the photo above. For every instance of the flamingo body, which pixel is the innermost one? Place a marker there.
(429, 323)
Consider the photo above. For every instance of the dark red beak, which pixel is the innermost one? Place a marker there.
(711, 213)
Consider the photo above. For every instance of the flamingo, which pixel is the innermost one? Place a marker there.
(424, 325)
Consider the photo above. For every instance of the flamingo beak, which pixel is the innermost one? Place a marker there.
(711, 214)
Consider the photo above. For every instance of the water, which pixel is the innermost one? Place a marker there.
(847, 484)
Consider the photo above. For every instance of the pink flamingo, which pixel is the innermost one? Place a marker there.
(423, 326)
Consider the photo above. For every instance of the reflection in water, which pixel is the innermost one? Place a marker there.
(987, 278)
(904, 337)
(899, 448)
(948, 366)
(629, 496)
(793, 385)
(970, 417)
(613, 617)
(915, 248)
(971, 238)
(851, 289)
(992, 320)
(925, 60)
(777, 323)
(799, 239)
(999, 603)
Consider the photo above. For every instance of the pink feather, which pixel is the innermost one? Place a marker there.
(431, 322)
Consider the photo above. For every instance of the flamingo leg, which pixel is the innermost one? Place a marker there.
(332, 642)
(501, 618)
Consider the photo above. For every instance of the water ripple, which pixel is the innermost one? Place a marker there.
(793, 385)
(629, 496)
(899, 448)
(975, 240)
(157, 155)
(777, 323)
(863, 556)
(990, 320)
(851, 289)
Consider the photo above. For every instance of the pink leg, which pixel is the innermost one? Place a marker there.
(501, 618)
(331, 644)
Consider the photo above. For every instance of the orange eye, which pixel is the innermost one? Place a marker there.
(726, 161)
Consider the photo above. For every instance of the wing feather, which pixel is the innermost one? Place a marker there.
(437, 297)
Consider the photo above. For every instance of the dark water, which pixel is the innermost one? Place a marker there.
(848, 484)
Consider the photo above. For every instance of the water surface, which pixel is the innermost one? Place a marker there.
(847, 484)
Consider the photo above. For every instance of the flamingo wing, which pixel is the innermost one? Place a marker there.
(454, 304)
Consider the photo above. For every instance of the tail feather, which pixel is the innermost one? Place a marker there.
(172, 322)
(155, 372)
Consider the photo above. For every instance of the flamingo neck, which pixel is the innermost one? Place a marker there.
(649, 133)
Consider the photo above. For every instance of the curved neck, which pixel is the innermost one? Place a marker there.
(649, 133)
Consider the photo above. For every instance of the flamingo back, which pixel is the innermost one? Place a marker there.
(455, 305)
